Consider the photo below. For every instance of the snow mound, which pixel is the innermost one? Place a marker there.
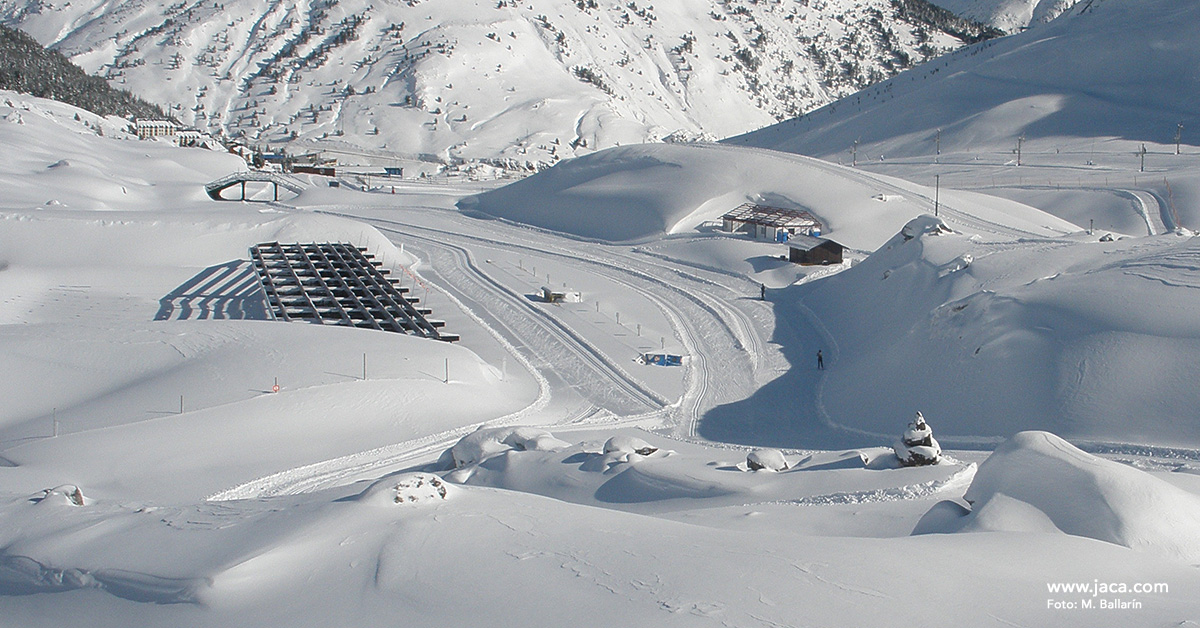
(1000, 514)
(65, 495)
(925, 225)
(637, 193)
(407, 488)
(766, 459)
(484, 443)
(622, 444)
(1036, 478)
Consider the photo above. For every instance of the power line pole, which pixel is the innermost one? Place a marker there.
(1142, 153)
(937, 159)
(854, 154)
(937, 193)
(1020, 140)
(1178, 135)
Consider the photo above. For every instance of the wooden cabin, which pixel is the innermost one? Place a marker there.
(813, 251)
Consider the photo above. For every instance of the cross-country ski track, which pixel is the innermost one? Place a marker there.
(721, 368)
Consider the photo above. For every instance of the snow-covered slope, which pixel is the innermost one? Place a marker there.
(1112, 69)
(1008, 15)
(646, 191)
(180, 490)
(1088, 339)
(529, 81)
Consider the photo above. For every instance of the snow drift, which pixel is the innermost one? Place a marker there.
(1071, 335)
(1036, 477)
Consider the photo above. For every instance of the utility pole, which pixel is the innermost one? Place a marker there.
(937, 159)
(937, 193)
(854, 154)
(1142, 153)
(1178, 135)
(1020, 140)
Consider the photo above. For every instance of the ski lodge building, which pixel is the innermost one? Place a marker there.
(770, 223)
(147, 129)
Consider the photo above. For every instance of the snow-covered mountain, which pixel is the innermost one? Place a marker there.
(527, 81)
(1109, 69)
(1008, 15)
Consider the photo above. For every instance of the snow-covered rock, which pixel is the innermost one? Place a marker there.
(65, 495)
(486, 442)
(407, 489)
(925, 225)
(766, 459)
(623, 444)
(1036, 478)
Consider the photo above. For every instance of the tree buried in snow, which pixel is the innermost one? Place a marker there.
(917, 446)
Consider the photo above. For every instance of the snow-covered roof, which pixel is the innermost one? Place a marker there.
(772, 216)
(807, 242)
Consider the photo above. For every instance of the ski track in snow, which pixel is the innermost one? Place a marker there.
(625, 269)
(663, 292)
(678, 304)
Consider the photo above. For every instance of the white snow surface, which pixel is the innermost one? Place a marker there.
(1079, 108)
(237, 506)
(636, 193)
(1037, 477)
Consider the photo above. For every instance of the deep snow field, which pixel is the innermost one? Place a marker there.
(535, 472)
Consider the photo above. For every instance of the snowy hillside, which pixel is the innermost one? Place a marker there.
(1009, 16)
(527, 82)
(1060, 88)
(151, 475)
(1092, 334)
(637, 193)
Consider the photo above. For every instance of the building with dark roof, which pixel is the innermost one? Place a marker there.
(809, 250)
